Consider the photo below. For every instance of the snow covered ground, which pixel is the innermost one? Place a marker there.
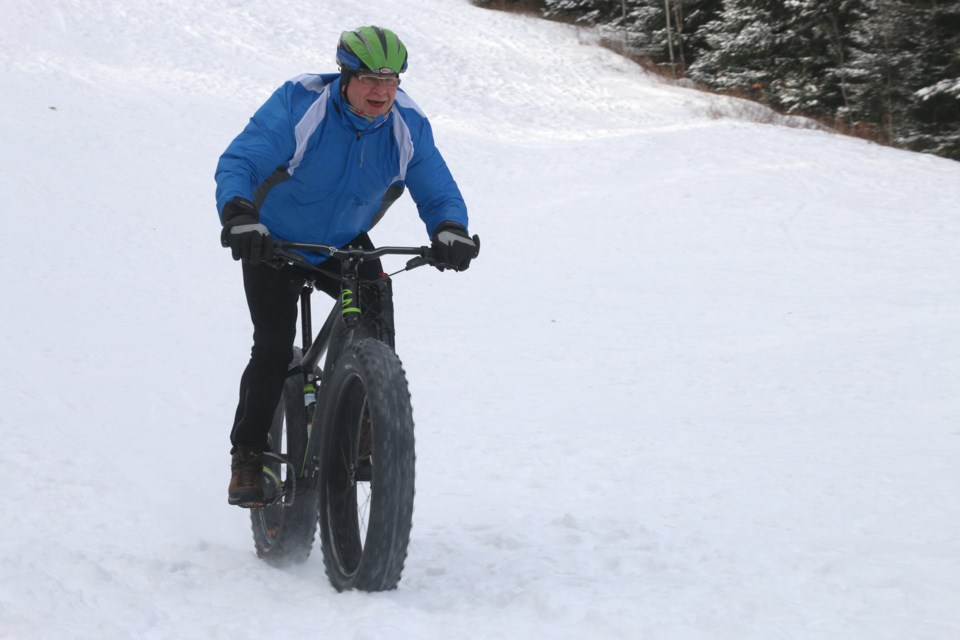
(702, 383)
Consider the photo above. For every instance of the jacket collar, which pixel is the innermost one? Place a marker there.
(352, 118)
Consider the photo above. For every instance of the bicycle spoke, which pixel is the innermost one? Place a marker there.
(364, 473)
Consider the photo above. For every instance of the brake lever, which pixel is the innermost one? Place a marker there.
(419, 261)
(283, 257)
(425, 258)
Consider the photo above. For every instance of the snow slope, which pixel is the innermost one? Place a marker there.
(701, 383)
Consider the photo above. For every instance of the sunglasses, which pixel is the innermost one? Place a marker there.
(390, 82)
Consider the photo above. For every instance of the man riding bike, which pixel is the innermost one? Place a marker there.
(320, 162)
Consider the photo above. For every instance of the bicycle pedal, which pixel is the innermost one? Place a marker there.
(277, 491)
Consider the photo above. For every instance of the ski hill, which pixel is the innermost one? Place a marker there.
(702, 383)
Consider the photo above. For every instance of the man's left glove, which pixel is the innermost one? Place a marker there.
(453, 248)
(249, 240)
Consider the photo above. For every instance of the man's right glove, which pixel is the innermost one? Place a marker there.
(453, 248)
(249, 240)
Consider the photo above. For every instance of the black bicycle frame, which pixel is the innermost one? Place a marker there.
(349, 308)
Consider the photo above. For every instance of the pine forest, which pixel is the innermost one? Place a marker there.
(887, 70)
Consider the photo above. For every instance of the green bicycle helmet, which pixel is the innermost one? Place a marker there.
(371, 49)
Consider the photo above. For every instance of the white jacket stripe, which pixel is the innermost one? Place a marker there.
(404, 142)
(307, 125)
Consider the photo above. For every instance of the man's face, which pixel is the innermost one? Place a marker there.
(372, 93)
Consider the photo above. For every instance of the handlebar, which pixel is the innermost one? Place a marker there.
(284, 250)
(351, 258)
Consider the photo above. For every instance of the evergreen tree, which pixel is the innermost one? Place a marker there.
(643, 24)
(696, 15)
(756, 49)
(886, 68)
(681, 43)
(936, 106)
(593, 12)
(615, 19)
(510, 5)
(825, 26)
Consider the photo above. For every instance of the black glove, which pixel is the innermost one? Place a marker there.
(249, 240)
(453, 248)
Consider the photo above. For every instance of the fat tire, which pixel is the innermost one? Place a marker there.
(283, 535)
(368, 373)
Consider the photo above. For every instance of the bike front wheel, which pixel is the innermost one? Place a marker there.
(366, 469)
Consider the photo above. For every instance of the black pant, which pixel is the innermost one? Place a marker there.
(272, 296)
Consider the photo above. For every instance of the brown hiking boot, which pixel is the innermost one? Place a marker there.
(246, 481)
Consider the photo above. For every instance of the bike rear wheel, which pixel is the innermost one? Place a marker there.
(283, 533)
(367, 462)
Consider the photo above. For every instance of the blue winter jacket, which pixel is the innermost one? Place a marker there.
(319, 173)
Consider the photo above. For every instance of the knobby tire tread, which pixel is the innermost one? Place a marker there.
(374, 365)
